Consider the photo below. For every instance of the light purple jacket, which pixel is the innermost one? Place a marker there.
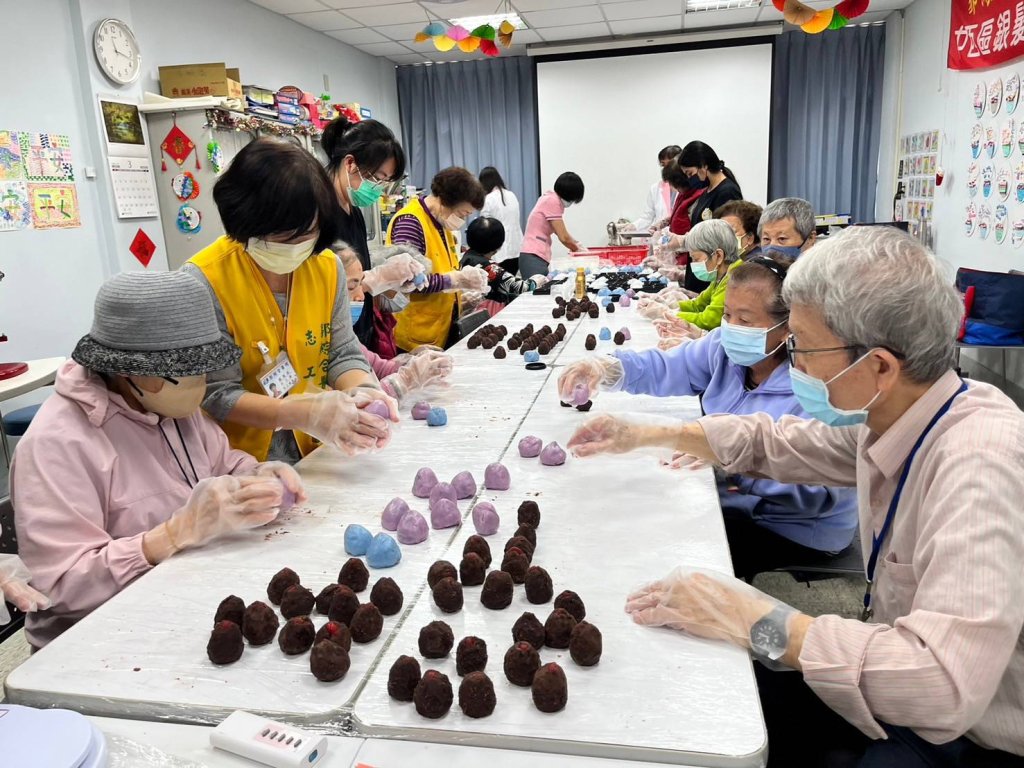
(90, 477)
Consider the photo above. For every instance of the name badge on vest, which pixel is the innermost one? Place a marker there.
(706, 215)
(277, 376)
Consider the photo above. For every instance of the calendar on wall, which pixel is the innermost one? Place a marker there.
(134, 188)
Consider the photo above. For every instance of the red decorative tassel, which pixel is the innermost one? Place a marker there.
(198, 166)
(163, 163)
(778, 4)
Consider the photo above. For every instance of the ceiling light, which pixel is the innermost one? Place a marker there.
(472, 22)
(693, 6)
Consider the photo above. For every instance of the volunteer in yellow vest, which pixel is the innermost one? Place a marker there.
(282, 298)
(427, 224)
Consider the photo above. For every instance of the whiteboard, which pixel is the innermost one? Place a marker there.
(606, 119)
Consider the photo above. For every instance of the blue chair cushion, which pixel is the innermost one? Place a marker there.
(16, 422)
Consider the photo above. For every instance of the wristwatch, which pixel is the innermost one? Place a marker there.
(769, 636)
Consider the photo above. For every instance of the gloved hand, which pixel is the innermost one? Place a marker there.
(285, 474)
(671, 342)
(469, 279)
(672, 295)
(421, 372)
(685, 461)
(676, 243)
(220, 505)
(589, 376)
(380, 255)
(395, 274)
(14, 578)
(704, 603)
(470, 300)
(405, 357)
(607, 434)
(672, 271)
(539, 281)
(652, 309)
(338, 419)
(675, 327)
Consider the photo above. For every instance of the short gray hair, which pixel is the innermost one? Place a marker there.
(795, 208)
(879, 287)
(713, 235)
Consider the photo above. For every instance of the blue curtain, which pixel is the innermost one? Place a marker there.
(826, 119)
(472, 114)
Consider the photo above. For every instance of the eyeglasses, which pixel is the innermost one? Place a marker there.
(792, 351)
(375, 179)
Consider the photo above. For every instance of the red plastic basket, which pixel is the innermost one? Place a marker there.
(617, 255)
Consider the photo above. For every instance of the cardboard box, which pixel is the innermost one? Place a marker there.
(191, 80)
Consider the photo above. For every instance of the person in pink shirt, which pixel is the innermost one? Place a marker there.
(120, 469)
(933, 673)
(546, 220)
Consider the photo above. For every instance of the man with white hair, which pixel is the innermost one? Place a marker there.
(787, 229)
(934, 674)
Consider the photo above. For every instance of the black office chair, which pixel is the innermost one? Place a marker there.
(471, 322)
(9, 546)
(849, 562)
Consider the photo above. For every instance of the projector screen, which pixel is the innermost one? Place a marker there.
(607, 118)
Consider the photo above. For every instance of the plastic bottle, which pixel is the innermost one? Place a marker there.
(581, 283)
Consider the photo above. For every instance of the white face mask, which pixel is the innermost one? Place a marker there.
(174, 401)
(396, 304)
(280, 258)
(454, 222)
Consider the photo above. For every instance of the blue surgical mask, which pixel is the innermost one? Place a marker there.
(746, 346)
(700, 271)
(356, 308)
(812, 394)
(790, 252)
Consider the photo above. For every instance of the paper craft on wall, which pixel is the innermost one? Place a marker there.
(15, 211)
(47, 157)
(178, 146)
(54, 206)
(1017, 236)
(995, 96)
(11, 164)
(189, 220)
(185, 186)
(142, 248)
(1002, 214)
(980, 92)
(1011, 93)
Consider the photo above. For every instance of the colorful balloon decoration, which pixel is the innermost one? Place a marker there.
(814, 22)
(484, 38)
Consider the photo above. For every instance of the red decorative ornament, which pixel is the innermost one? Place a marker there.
(142, 248)
(779, 5)
(179, 146)
(851, 9)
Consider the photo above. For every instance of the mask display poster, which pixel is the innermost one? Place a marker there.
(917, 177)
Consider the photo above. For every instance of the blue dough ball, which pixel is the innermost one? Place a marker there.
(533, 356)
(357, 540)
(605, 334)
(618, 292)
(437, 417)
(604, 292)
(384, 552)
(420, 280)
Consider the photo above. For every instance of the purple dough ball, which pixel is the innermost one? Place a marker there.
(393, 514)
(442, 491)
(413, 528)
(464, 485)
(288, 498)
(444, 514)
(424, 483)
(552, 455)
(485, 519)
(530, 447)
(377, 408)
(625, 333)
(421, 410)
(580, 394)
(496, 477)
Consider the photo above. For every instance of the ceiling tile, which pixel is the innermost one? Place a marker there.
(408, 58)
(401, 32)
(343, 4)
(640, 9)
(526, 37)
(575, 32)
(290, 6)
(384, 49)
(360, 36)
(324, 21)
(464, 8)
(542, 5)
(704, 19)
(392, 13)
(644, 26)
(562, 17)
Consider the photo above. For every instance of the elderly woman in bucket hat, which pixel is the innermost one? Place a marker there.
(120, 469)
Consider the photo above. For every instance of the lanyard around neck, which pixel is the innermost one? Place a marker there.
(877, 540)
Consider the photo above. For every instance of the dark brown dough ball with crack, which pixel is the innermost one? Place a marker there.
(323, 600)
(283, 579)
(558, 628)
(297, 601)
(585, 407)
(260, 623)
(521, 543)
(529, 533)
(528, 629)
(336, 632)
(472, 570)
(329, 662)
(591, 343)
(476, 695)
(549, 688)
(354, 575)
(225, 645)
(403, 678)
(497, 591)
(500, 353)
(436, 640)
(610, 309)
(448, 595)
(520, 663)
(585, 644)
(367, 623)
(473, 343)
(529, 513)
(296, 635)
(344, 605)
(479, 545)
(231, 608)
(433, 695)
(619, 338)
(387, 596)
(441, 569)
(571, 602)
(538, 585)
(515, 564)
(470, 656)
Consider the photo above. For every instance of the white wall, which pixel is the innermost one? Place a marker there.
(607, 119)
(52, 276)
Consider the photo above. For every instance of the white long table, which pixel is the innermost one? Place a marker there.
(609, 524)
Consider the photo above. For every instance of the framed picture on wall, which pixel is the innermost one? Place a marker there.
(123, 128)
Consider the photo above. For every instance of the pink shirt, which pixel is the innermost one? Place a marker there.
(537, 239)
(90, 477)
(946, 654)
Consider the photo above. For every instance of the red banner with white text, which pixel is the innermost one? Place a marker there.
(985, 33)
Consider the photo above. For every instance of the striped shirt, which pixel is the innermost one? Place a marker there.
(946, 656)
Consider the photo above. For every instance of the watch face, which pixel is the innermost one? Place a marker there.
(117, 51)
(767, 635)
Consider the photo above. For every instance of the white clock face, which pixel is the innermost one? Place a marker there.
(117, 51)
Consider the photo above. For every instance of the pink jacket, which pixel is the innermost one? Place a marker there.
(90, 477)
(381, 367)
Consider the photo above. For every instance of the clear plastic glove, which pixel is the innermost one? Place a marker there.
(652, 309)
(14, 588)
(673, 326)
(284, 473)
(469, 279)
(338, 419)
(397, 273)
(421, 372)
(676, 243)
(685, 461)
(589, 376)
(607, 434)
(672, 295)
(470, 300)
(672, 271)
(703, 603)
(671, 342)
(380, 255)
(539, 281)
(405, 357)
(220, 505)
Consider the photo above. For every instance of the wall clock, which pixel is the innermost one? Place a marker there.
(117, 52)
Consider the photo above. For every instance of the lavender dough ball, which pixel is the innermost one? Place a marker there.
(552, 455)
(485, 519)
(288, 498)
(442, 491)
(464, 485)
(497, 478)
(625, 301)
(421, 410)
(393, 514)
(424, 483)
(377, 408)
(625, 333)
(413, 528)
(580, 394)
(530, 447)
(357, 539)
(444, 514)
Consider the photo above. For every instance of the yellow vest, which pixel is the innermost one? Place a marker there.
(252, 315)
(428, 318)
